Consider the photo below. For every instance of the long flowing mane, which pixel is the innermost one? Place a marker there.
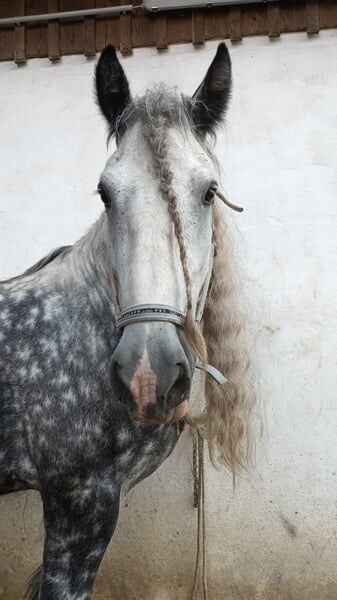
(227, 419)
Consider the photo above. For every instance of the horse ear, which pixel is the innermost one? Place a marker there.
(209, 102)
(112, 87)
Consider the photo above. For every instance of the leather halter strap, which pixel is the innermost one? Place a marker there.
(139, 313)
(150, 312)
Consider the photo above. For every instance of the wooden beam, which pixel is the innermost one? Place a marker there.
(19, 44)
(142, 27)
(312, 17)
(20, 36)
(89, 37)
(274, 28)
(36, 35)
(107, 29)
(53, 33)
(72, 31)
(235, 29)
(160, 31)
(125, 33)
(125, 25)
(89, 32)
(198, 30)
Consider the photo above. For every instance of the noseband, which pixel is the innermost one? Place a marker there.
(150, 312)
(140, 313)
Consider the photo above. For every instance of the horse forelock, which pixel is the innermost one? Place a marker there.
(161, 107)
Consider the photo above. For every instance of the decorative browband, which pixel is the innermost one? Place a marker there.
(150, 312)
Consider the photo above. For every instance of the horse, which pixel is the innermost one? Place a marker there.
(99, 341)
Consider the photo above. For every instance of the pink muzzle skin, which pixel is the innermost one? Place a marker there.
(144, 383)
(143, 388)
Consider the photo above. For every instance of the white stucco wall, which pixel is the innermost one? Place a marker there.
(276, 536)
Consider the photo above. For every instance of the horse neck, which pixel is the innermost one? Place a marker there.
(89, 265)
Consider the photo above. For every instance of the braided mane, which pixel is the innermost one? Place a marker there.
(226, 420)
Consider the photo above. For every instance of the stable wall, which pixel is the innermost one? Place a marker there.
(275, 537)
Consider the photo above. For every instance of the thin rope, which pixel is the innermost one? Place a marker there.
(195, 471)
(228, 203)
(199, 503)
(158, 143)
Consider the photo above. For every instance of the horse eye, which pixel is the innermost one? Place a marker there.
(104, 196)
(210, 194)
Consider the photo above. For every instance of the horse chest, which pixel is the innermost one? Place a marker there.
(138, 460)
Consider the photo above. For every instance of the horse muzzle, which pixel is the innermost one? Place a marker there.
(155, 416)
(151, 372)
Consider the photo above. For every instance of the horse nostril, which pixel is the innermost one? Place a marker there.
(184, 371)
(179, 390)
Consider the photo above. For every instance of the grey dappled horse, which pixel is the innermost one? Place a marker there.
(98, 341)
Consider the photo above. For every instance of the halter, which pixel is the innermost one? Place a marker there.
(149, 312)
(140, 313)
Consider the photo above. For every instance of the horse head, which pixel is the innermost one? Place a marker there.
(158, 189)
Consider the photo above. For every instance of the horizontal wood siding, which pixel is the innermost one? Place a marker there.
(90, 35)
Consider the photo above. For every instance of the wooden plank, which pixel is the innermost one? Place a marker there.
(292, 16)
(216, 23)
(179, 26)
(19, 44)
(89, 37)
(125, 44)
(53, 34)
(72, 32)
(142, 26)
(235, 30)
(20, 36)
(107, 29)
(327, 13)
(89, 31)
(142, 30)
(312, 17)
(253, 22)
(198, 32)
(274, 25)
(36, 35)
(6, 35)
(160, 31)
(137, 4)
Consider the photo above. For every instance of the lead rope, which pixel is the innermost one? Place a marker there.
(199, 503)
(199, 483)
